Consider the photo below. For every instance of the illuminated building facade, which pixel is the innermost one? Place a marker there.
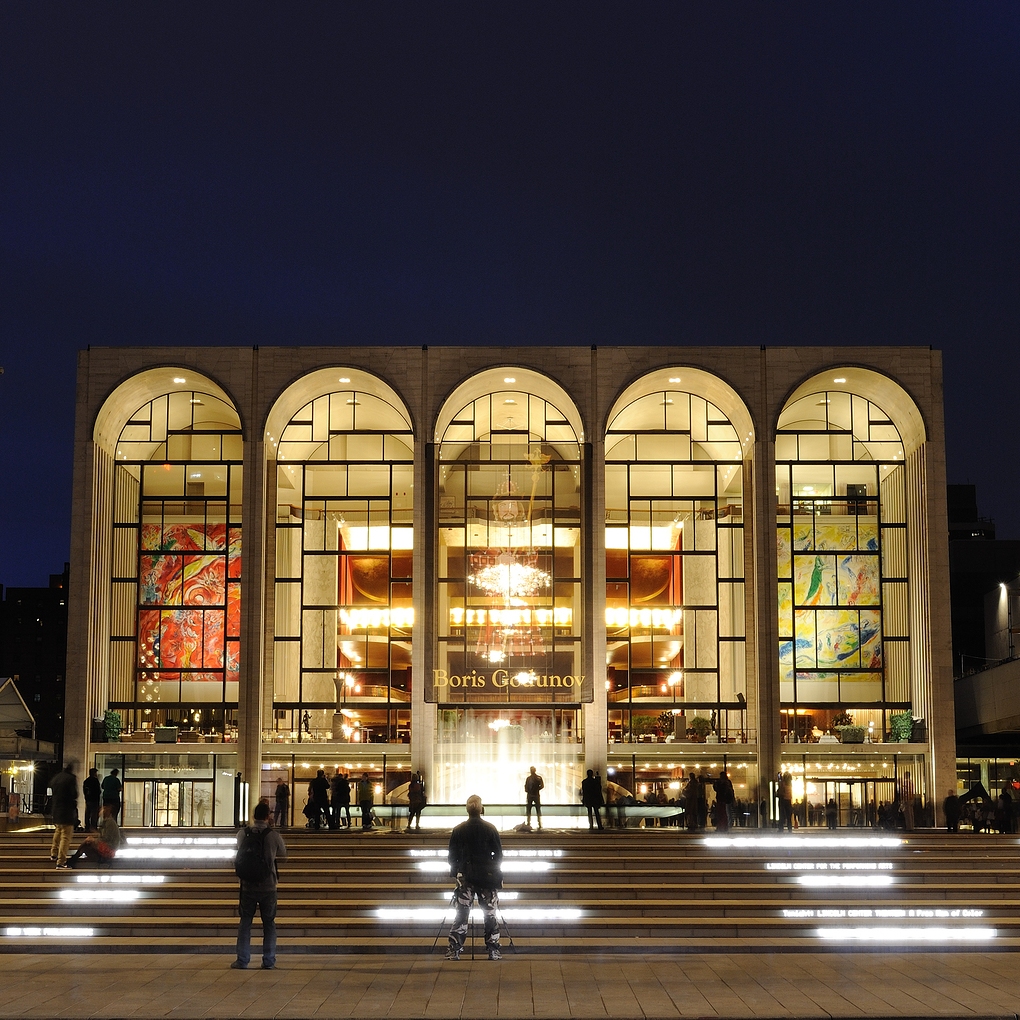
(468, 561)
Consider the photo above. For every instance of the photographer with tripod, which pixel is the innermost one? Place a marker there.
(475, 856)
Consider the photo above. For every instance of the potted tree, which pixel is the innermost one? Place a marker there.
(901, 726)
(701, 727)
(111, 726)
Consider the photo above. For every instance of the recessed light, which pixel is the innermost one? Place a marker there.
(178, 379)
(344, 379)
(509, 401)
(667, 401)
(674, 378)
(356, 403)
(509, 378)
(195, 401)
(839, 379)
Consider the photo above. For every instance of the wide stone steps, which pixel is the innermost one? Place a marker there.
(564, 892)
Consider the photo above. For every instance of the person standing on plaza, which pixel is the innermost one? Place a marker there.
(112, 788)
(592, 799)
(786, 802)
(259, 849)
(340, 794)
(907, 801)
(366, 797)
(92, 791)
(318, 800)
(64, 807)
(281, 813)
(533, 787)
(475, 855)
(336, 781)
(690, 800)
(953, 809)
(723, 801)
(415, 801)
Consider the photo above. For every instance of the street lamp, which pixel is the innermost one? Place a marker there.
(344, 684)
(675, 680)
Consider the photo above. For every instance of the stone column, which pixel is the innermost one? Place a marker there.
(931, 655)
(254, 517)
(424, 597)
(593, 599)
(762, 584)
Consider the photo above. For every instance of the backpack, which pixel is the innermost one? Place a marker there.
(250, 864)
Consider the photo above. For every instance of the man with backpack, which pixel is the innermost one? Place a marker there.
(259, 848)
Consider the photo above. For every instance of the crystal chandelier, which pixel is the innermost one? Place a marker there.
(510, 577)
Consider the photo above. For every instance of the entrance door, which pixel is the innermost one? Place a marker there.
(171, 802)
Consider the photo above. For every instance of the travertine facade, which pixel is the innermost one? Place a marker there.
(468, 470)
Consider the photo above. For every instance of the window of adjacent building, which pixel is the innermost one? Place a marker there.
(842, 550)
(674, 572)
(176, 598)
(344, 615)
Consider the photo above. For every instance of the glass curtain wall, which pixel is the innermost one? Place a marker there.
(508, 680)
(674, 573)
(176, 586)
(842, 542)
(344, 616)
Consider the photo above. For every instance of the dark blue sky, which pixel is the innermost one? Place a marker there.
(713, 173)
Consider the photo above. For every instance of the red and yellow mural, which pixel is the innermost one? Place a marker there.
(189, 593)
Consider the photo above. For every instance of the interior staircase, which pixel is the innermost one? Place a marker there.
(564, 892)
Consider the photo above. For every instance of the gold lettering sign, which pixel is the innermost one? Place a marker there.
(501, 678)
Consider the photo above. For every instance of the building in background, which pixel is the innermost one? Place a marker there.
(33, 654)
(468, 561)
(978, 563)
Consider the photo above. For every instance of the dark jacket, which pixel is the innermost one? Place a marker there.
(111, 787)
(65, 798)
(477, 853)
(340, 790)
(318, 790)
(724, 790)
(591, 792)
(91, 790)
(276, 851)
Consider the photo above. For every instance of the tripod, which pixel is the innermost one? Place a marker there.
(499, 914)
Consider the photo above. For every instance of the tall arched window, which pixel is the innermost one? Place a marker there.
(509, 679)
(176, 598)
(842, 534)
(674, 571)
(342, 641)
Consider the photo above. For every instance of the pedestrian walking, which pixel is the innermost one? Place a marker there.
(64, 808)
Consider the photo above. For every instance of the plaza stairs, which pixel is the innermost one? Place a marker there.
(568, 891)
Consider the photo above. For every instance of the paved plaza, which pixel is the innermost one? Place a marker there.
(759, 984)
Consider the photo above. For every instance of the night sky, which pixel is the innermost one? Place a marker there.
(528, 173)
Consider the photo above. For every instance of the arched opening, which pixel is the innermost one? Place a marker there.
(343, 452)
(676, 669)
(844, 584)
(509, 679)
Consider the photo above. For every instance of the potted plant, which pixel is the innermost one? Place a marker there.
(642, 725)
(701, 727)
(851, 734)
(901, 726)
(842, 719)
(111, 726)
